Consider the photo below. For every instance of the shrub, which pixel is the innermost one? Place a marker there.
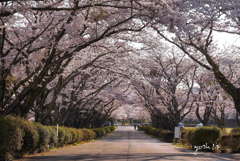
(18, 137)
(186, 135)
(112, 128)
(74, 135)
(227, 138)
(53, 140)
(88, 134)
(79, 135)
(104, 130)
(235, 134)
(205, 135)
(235, 146)
(67, 135)
(61, 136)
(100, 132)
(107, 130)
(44, 137)
(231, 142)
(11, 139)
(30, 134)
(165, 135)
(235, 131)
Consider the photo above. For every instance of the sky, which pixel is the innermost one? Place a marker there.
(225, 40)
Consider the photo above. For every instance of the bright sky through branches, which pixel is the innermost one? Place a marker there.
(225, 40)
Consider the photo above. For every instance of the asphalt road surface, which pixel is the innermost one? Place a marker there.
(126, 144)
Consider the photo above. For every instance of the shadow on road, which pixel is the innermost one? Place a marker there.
(131, 157)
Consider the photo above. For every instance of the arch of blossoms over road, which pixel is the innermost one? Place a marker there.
(92, 63)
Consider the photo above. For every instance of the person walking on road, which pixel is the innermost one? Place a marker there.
(135, 126)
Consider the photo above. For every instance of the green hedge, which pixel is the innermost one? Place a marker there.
(103, 131)
(208, 136)
(231, 142)
(19, 137)
(202, 138)
(186, 135)
(224, 139)
(164, 135)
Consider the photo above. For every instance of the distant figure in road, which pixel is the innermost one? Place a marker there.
(135, 126)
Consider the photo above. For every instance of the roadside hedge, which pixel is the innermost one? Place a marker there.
(19, 137)
(202, 135)
(205, 138)
(231, 142)
(216, 139)
(165, 135)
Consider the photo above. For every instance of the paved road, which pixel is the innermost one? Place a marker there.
(125, 144)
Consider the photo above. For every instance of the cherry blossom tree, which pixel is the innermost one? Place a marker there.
(193, 24)
(39, 39)
(206, 95)
(165, 86)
